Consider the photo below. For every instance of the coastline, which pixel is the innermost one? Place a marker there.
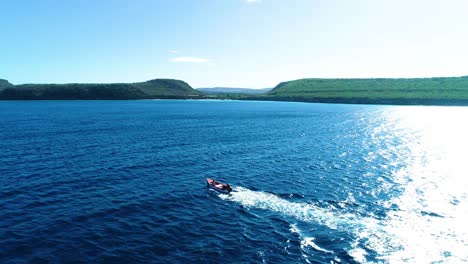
(356, 101)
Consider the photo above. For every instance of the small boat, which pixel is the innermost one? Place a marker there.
(217, 186)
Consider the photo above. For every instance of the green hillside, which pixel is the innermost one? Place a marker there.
(443, 90)
(415, 91)
(158, 88)
(4, 84)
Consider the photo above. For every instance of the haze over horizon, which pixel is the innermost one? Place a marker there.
(230, 43)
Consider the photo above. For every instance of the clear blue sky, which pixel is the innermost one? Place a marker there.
(236, 43)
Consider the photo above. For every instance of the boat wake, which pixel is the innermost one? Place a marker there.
(363, 229)
(330, 217)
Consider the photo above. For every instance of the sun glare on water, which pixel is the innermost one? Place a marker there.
(430, 222)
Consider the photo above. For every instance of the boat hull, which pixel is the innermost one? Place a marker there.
(217, 186)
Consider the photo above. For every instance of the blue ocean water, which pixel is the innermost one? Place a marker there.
(124, 182)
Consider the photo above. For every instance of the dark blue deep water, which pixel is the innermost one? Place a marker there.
(124, 182)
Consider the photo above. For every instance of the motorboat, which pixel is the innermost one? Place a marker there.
(218, 186)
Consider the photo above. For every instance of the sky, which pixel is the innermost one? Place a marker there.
(230, 43)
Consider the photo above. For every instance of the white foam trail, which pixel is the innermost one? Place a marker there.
(358, 254)
(301, 211)
(307, 241)
(362, 227)
(294, 229)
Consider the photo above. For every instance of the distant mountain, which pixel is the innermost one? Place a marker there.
(157, 88)
(228, 90)
(4, 84)
(410, 91)
(437, 90)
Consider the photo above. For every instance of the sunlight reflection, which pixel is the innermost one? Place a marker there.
(429, 224)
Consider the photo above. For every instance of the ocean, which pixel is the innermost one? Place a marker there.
(124, 182)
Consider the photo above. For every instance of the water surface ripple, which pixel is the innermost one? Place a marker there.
(123, 182)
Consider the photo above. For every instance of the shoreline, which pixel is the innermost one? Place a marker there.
(353, 101)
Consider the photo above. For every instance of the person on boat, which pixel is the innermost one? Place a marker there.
(228, 187)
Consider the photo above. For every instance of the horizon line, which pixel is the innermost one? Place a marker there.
(221, 86)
